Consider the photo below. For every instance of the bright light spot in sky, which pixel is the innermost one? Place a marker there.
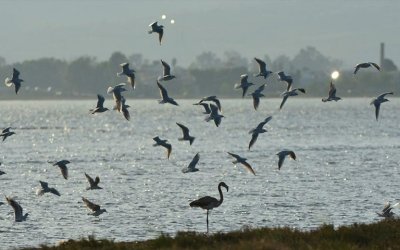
(172, 21)
(163, 16)
(335, 75)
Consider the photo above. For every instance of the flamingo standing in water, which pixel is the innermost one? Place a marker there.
(208, 202)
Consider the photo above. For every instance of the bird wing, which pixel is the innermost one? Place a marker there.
(185, 130)
(44, 185)
(90, 180)
(100, 101)
(172, 101)
(54, 191)
(375, 65)
(254, 137)
(153, 25)
(131, 80)
(64, 170)
(234, 155)
(18, 211)
(163, 91)
(169, 149)
(248, 167)
(125, 67)
(332, 90)
(301, 90)
(90, 205)
(256, 101)
(260, 89)
(194, 161)
(97, 180)
(214, 109)
(15, 74)
(125, 112)
(377, 108)
(204, 202)
(261, 64)
(17, 87)
(243, 78)
(218, 103)
(6, 130)
(281, 160)
(285, 97)
(384, 94)
(160, 35)
(167, 68)
(356, 68)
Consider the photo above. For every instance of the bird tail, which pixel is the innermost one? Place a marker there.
(324, 100)
(191, 139)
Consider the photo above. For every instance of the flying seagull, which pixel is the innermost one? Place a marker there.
(366, 65)
(186, 136)
(130, 73)
(292, 92)
(244, 84)
(18, 211)
(387, 210)
(282, 155)
(214, 115)
(285, 78)
(243, 161)
(212, 98)
(45, 189)
(192, 165)
(256, 96)
(262, 68)
(94, 207)
(258, 130)
(63, 167)
(166, 72)
(116, 92)
(14, 80)
(99, 107)
(208, 202)
(377, 102)
(6, 133)
(164, 96)
(332, 94)
(164, 143)
(157, 29)
(206, 107)
(93, 183)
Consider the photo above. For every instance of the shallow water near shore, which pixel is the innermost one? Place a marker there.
(347, 167)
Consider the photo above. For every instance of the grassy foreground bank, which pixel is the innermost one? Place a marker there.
(381, 235)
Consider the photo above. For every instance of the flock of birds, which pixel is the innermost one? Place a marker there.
(213, 110)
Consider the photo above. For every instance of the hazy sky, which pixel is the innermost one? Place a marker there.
(347, 30)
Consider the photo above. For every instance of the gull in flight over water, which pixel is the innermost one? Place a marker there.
(157, 29)
(214, 115)
(287, 94)
(166, 72)
(282, 155)
(206, 107)
(186, 136)
(208, 202)
(258, 130)
(99, 107)
(130, 73)
(94, 207)
(93, 183)
(377, 102)
(164, 96)
(117, 96)
(192, 165)
(163, 143)
(366, 65)
(262, 68)
(256, 96)
(332, 94)
(6, 133)
(239, 159)
(212, 98)
(14, 80)
(63, 167)
(285, 78)
(46, 189)
(387, 210)
(18, 211)
(244, 84)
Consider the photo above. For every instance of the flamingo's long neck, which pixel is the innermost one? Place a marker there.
(221, 196)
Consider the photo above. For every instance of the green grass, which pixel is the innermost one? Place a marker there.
(381, 235)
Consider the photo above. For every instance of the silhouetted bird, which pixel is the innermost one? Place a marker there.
(99, 107)
(244, 84)
(192, 165)
(242, 161)
(214, 115)
(206, 107)
(164, 96)
(63, 167)
(116, 92)
(166, 72)
(130, 73)
(285, 78)
(282, 155)
(387, 210)
(262, 68)
(365, 65)
(332, 94)
(208, 202)
(157, 29)
(258, 130)
(186, 136)
(6, 133)
(212, 98)
(160, 142)
(94, 207)
(45, 189)
(256, 96)
(14, 80)
(377, 102)
(18, 211)
(93, 183)
(292, 92)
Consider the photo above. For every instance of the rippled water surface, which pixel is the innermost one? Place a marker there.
(347, 167)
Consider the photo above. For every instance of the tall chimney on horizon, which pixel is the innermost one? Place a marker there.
(382, 54)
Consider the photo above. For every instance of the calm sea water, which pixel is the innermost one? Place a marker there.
(347, 167)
